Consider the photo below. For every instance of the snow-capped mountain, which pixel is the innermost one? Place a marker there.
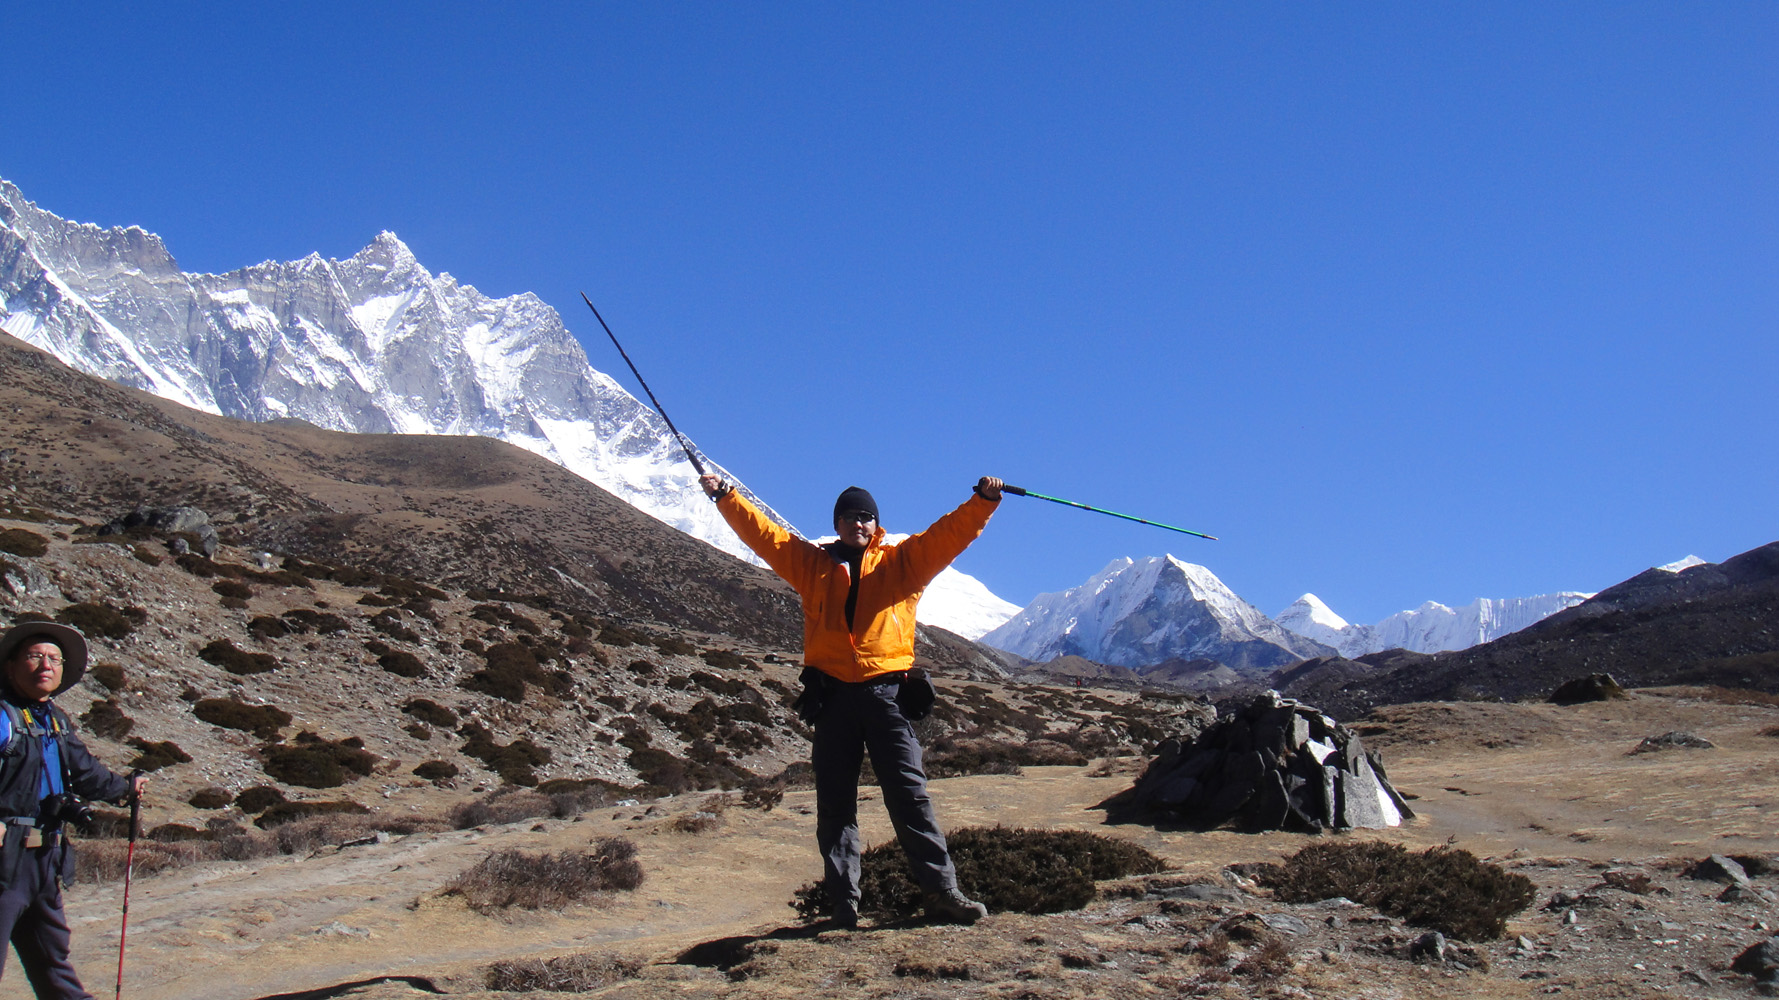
(374, 343)
(1430, 628)
(1682, 565)
(1137, 613)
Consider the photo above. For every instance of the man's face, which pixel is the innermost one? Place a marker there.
(855, 527)
(35, 670)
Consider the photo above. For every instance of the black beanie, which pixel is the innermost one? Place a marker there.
(854, 498)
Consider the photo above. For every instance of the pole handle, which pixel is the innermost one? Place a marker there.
(1017, 491)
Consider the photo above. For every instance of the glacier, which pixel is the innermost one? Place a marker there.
(372, 344)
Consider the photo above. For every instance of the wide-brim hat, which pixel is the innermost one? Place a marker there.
(72, 642)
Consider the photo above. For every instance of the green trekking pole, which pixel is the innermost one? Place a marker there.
(1022, 492)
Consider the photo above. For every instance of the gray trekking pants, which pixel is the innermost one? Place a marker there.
(863, 717)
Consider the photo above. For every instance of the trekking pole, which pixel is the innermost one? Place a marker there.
(1020, 492)
(683, 443)
(129, 868)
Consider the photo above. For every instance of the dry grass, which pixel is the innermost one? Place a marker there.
(1444, 888)
(566, 974)
(512, 878)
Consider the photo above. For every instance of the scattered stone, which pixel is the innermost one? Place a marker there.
(1760, 961)
(1718, 868)
(1627, 880)
(1429, 945)
(22, 579)
(1285, 923)
(1746, 894)
(1200, 891)
(1275, 764)
(1671, 741)
(1593, 687)
(173, 521)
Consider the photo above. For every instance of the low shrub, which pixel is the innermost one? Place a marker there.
(430, 712)
(1009, 870)
(263, 721)
(109, 675)
(154, 756)
(728, 659)
(951, 757)
(313, 762)
(512, 666)
(321, 622)
(565, 974)
(418, 730)
(102, 619)
(258, 799)
(210, 798)
(223, 653)
(515, 762)
(642, 667)
(105, 718)
(512, 878)
(619, 636)
(268, 627)
(287, 812)
(145, 555)
(174, 832)
(436, 770)
(1444, 888)
(402, 663)
(21, 542)
(674, 646)
(232, 588)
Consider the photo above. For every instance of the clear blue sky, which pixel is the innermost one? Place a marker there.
(1405, 302)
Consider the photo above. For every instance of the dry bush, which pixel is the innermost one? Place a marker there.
(313, 762)
(728, 659)
(223, 653)
(619, 636)
(564, 799)
(547, 881)
(430, 712)
(954, 757)
(1444, 888)
(168, 833)
(281, 814)
(210, 798)
(232, 588)
(258, 799)
(402, 663)
(436, 770)
(263, 721)
(1770, 731)
(566, 974)
(103, 860)
(1009, 870)
(515, 762)
(511, 668)
(154, 756)
(102, 619)
(20, 542)
(108, 674)
(105, 718)
(1269, 961)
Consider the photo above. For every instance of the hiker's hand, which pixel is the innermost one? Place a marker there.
(714, 486)
(989, 488)
(137, 784)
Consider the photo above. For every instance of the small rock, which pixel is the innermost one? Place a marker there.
(1525, 943)
(1428, 945)
(1718, 868)
(1673, 740)
(1760, 961)
(1285, 923)
(338, 929)
(1201, 891)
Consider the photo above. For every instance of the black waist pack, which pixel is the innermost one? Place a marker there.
(916, 696)
(814, 698)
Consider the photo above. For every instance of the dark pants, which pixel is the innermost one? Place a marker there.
(863, 717)
(31, 916)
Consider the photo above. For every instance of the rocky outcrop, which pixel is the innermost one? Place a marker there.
(1274, 765)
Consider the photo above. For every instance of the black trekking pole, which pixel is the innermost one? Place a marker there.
(683, 443)
(1020, 492)
(129, 868)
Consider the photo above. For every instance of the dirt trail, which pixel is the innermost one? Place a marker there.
(1560, 787)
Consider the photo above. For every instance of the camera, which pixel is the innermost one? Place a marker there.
(68, 809)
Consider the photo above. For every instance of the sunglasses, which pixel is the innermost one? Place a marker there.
(858, 516)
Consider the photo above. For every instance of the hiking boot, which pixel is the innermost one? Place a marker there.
(953, 907)
(844, 915)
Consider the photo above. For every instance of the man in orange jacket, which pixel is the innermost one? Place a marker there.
(859, 595)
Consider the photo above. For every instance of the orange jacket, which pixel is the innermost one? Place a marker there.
(891, 580)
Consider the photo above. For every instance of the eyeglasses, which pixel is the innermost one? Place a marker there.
(859, 516)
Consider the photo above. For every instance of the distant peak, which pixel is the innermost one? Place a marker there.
(1682, 565)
